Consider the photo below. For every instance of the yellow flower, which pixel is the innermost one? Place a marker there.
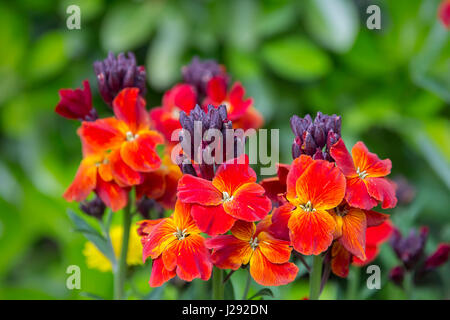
(97, 260)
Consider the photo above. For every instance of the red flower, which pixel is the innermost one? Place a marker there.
(176, 247)
(161, 184)
(276, 187)
(313, 187)
(267, 256)
(439, 257)
(76, 104)
(365, 174)
(166, 118)
(232, 194)
(239, 109)
(127, 137)
(444, 13)
(94, 174)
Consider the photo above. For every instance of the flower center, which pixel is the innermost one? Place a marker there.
(226, 197)
(361, 174)
(181, 234)
(308, 207)
(253, 243)
(131, 136)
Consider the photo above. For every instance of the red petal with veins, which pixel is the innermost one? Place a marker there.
(160, 274)
(111, 194)
(212, 220)
(140, 154)
(267, 273)
(129, 107)
(197, 190)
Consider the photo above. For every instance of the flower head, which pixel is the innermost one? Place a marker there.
(267, 256)
(77, 103)
(365, 173)
(176, 247)
(233, 194)
(409, 249)
(115, 74)
(95, 259)
(313, 188)
(314, 138)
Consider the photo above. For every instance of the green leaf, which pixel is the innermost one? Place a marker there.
(333, 23)
(91, 296)
(296, 58)
(128, 25)
(92, 235)
(265, 292)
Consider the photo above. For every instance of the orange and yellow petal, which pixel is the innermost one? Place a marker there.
(233, 174)
(212, 220)
(160, 237)
(140, 153)
(275, 250)
(354, 232)
(369, 162)
(322, 184)
(267, 273)
(248, 203)
(243, 230)
(229, 252)
(123, 174)
(197, 190)
(102, 134)
(129, 107)
(84, 182)
(311, 232)
(298, 167)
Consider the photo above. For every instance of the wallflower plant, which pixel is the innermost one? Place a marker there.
(220, 218)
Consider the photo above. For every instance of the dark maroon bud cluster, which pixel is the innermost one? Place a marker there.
(95, 207)
(315, 138)
(76, 103)
(199, 125)
(115, 74)
(199, 72)
(396, 275)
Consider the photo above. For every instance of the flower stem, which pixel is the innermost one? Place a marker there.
(247, 286)
(353, 283)
(120, 272)
(408, 284)
(315, 277)
(217, 284)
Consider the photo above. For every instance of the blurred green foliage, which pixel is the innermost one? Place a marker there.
(391, 86)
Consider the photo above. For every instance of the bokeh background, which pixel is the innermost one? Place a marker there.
(391, 86)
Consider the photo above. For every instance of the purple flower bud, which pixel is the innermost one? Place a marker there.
(438, 258)
(396, 275)
(115, 74)
(95, 208)
(409, 249)
(198, 73)
(314, 138)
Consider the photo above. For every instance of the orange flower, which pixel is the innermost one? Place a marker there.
(313, 187)
(176, 247)
(365, 174)
(267, 256)
(233, 194)
(161, 184)
(127, 138)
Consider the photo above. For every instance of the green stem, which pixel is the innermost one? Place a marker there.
(353, 283)
(408, 284)
(315, 277)
(217, 284)
(247, 286)
(120, 272)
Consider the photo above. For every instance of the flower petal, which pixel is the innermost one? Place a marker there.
(102, 134)
(229, 252)
(343, 159)
(84, 182)
(275, 250)
(383, 190)
(238, 106)
(375, 218)
(197, 190)
(153, 186)
(183, 219)
(323, 184)
(160, 274)
(217, 89)
(357, 195)
(248, 203)
(193, 259)
(122, 173)
(140, 154)
(298, 166)
(243, 230)
(129, 107)
(340, 260)
(311, 232)
(267, 273)
(280, 219)
(354, 232)
(111, 194)
(369, 162)
(233, 174)
(212, 220)
(160, 237)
